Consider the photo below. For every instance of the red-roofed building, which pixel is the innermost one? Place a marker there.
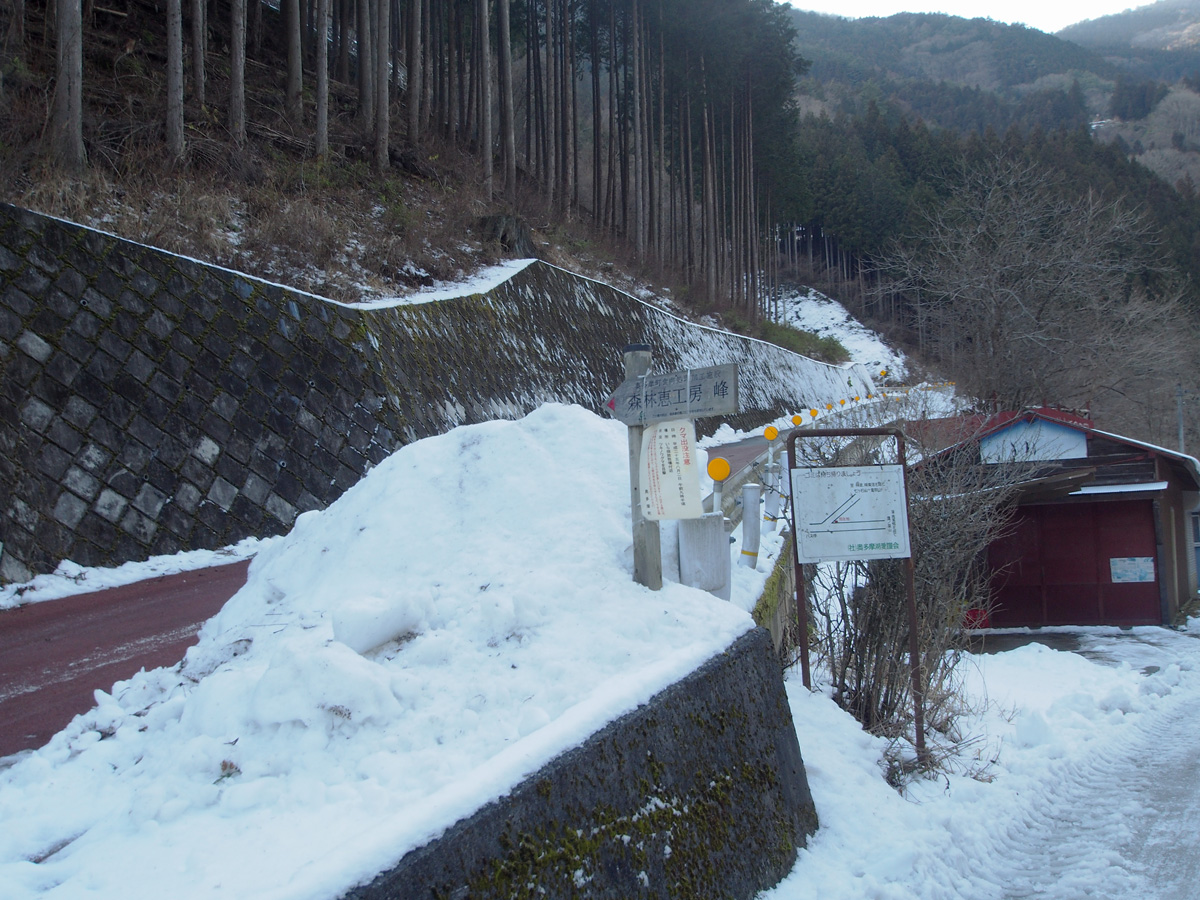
(1105, 531)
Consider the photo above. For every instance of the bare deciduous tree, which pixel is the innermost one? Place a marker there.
(1031, 295)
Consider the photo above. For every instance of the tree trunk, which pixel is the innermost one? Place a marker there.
(398, 41)
(507, 123)
(68, 90)
(322, 145)
(16, 29)
(199, 47)
(345, 18)
(570, 145)
(414, 72)
(594, 28)
(485, 98)
(254, 10)
(639, 149)
(237, 71)
(550, 130)
(366, 68)
(383, 37)
(175, 80)
(295, 66)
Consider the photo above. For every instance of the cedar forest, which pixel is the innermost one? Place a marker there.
(723, 147)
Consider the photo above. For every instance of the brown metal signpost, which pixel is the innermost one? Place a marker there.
(853, 520)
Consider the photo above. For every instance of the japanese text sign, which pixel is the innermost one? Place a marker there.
(687, 393)
(670, 482)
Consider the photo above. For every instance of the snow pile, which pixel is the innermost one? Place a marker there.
(456, 620)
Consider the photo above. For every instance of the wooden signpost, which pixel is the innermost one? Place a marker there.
(660, 411)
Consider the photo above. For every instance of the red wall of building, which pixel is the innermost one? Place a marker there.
(1054, 567)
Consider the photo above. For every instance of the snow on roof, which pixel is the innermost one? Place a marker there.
(1121, 488)
(956, 430)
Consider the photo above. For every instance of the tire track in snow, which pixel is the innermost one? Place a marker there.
(1100, 828)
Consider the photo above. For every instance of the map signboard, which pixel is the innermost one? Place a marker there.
(685, 394)
(850, 512)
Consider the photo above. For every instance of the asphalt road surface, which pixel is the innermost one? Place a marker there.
(55, 655)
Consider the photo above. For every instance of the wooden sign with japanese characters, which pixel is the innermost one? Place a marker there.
(686, 394)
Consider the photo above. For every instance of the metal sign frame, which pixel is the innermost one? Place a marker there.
(914, 652)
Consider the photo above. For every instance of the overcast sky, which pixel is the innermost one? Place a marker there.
(1048, 15)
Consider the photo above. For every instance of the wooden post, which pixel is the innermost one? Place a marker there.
(647, 551)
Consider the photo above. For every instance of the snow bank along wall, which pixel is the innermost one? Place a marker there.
(699, 794)
(150, 403)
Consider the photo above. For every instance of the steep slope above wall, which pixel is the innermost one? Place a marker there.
(151, 403)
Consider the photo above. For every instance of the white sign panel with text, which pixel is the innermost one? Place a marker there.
(850, 512)
(670, 471)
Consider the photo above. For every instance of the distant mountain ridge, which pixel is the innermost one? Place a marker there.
(1132, 80)
(1165, 25)
(977, 53)
(966, 75)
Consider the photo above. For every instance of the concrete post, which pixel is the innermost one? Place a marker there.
(704, 554)
(647, 549)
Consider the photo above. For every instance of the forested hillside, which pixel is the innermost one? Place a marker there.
(1165, 25)
(607, 112)
(952, 72)
(715, 147)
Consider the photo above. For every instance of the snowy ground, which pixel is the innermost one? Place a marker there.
(1081, 781)
(811, 310)
(465, 614)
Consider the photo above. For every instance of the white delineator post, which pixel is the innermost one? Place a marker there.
(771, 482)
(647, 549)
(751, 522)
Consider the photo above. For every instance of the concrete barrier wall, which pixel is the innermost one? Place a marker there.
(699, 794)
(150, 403)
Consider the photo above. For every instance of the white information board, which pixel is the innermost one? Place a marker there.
(850, 512)
(670, 471)
(1131, 569)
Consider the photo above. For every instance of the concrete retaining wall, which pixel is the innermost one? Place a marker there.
(698, 795)
(150, 403)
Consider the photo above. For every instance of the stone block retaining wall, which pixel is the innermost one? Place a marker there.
(700, 794)
(150, 403)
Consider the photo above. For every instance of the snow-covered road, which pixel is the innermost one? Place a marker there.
(1088, 784)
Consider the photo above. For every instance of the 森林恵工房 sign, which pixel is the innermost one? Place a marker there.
(686, 394)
